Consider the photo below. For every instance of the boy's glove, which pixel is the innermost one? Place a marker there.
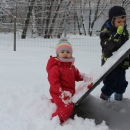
(90, 86)
(120, 30)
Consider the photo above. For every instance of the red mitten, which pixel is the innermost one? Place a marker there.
(90, 86)
(66, 97)
(86, 78)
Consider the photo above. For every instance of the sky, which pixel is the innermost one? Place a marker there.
(24, 92)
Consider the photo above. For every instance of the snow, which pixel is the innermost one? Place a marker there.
(24, 93)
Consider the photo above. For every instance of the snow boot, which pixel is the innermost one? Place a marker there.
(118, 96)
(104, 97)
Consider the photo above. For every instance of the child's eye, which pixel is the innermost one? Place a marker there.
(62, 52)
(120, 21)
(68, 52)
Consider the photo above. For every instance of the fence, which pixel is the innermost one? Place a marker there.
(41, 25)
(82, 43)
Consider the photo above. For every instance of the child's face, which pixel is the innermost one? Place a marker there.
(119, 21)
(65, 54)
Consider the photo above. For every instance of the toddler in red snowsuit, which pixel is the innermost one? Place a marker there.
(62, 75)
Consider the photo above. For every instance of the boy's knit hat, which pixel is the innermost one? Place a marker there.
(63, 45)
(116, 11)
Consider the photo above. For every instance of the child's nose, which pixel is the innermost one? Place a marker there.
(122, 24)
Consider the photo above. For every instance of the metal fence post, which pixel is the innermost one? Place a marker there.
(14, 33)
(15, 17)
(65, 17)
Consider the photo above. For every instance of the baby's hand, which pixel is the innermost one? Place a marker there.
(86, 78)
(90, 86)
(66, 97)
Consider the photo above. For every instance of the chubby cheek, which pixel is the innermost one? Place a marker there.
(60, 55)
(69, 56)
(122, 24)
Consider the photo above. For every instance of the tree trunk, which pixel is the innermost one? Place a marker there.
(74, 22)
(82, 18)
(80, 33)
(27, 20)
(50, 29)
(49, 8)
(89, 28)
(95, 16)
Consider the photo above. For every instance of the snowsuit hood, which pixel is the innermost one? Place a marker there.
(51, 62)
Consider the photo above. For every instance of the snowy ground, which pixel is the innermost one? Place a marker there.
(24, 94)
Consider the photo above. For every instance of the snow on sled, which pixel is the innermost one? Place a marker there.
(107, 68)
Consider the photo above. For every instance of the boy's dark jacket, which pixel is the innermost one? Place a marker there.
(110, 42)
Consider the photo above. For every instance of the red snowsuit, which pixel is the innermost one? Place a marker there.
(62, 77)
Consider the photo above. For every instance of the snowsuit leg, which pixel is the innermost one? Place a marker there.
(63, 111)
(115, 82)
(122, 83)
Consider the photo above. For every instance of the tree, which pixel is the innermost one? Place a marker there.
(52, 16)
(98, 11)
(30, 8)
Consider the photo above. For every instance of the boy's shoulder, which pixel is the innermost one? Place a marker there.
(107, 26)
